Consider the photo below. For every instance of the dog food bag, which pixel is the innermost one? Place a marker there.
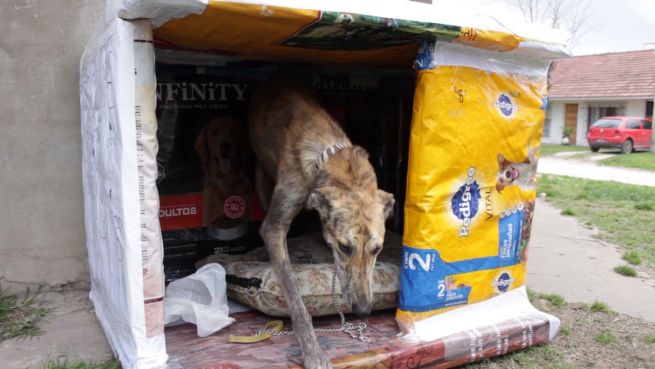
(205, 162)
(474, 144)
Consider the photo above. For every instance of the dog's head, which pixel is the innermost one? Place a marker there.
(507, 173)
(510, 172)
(353, 212)
(218, 146)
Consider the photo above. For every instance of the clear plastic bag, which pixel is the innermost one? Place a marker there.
(199, 299)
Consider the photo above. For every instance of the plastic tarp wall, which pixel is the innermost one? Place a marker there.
(120, 197)
(387, 35)
(441, 13)
(159, 11)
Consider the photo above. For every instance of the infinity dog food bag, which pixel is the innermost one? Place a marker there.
(208, 202)
(474, 144)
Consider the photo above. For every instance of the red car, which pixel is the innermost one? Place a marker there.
(625, 133)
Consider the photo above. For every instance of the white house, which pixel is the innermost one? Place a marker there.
(584, 88)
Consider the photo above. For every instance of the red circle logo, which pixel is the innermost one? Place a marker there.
(234, 207)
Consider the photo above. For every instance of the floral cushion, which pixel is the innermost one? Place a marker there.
(252, 281)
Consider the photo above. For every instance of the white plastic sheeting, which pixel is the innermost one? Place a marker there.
(201, 299)
(513, 305)
(444, 53)
(152, 253)
(443, 12)
(115, 168)
(159, 11)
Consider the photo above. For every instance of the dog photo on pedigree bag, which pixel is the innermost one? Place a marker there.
(205, 165)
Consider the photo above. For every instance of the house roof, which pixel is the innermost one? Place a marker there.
(615, 75)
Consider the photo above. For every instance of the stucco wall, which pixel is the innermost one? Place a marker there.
(556, 115)
(635, 108)
(581, 129)
(41, 222)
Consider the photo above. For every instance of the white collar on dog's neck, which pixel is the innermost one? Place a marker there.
(329, 151)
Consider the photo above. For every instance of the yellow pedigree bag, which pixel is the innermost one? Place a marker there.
(476, 129)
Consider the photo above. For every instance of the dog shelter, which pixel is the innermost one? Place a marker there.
(467, 97)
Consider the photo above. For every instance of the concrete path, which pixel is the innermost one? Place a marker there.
(566, 259)
(589, 170)
(70, 329)
(592, 156)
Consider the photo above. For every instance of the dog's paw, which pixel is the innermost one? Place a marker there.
(319, 361)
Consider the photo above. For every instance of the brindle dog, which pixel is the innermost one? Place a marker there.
(313, 164)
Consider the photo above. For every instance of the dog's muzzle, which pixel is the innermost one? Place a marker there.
(224, 160)
(225, 150)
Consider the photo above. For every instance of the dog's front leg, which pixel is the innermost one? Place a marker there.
(287, 200)
(264, 186)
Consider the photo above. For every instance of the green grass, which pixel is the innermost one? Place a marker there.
(529, 357)
(600, 307)
(645, 206)
(568, 212)
(606, 337)
(537, 357)
(63, 362)
(609, 207)
(632, 257)
(650, 338)
(640, 160)
(586, 339)
(551, 149)
(20, 315)
(553, 298)
(626, 270)
(532, 295)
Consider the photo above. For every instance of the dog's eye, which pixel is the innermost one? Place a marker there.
(508, 174)
(345, 249)
(376, 250)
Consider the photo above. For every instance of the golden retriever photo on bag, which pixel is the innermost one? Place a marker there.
(226, 192)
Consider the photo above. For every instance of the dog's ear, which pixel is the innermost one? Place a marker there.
(321, 200)
(359, 151)
(501, 159)
(499, 187)
(387, 201)
(201, 146)
(532, 154)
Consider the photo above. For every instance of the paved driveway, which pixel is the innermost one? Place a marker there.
(565, 258)
(589, 170)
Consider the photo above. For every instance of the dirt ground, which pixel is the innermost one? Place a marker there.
(587, 339)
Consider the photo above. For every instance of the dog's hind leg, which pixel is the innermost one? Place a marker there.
(264, 186)
(288, 199)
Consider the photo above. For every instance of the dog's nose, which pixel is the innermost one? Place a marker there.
(225, 149)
